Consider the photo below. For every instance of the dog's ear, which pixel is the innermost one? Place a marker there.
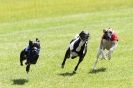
(37, 40)
(104, 30)
(81, 33)
(88, 34)
(30, 42)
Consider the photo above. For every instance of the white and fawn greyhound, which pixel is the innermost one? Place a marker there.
(109, 42)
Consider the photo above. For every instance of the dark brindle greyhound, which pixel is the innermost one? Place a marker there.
(109, 42)
(30, 54)
(77, 48)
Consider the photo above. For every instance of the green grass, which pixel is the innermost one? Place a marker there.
(55, 23)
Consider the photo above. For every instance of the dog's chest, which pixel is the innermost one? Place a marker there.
(80, 46)
(107, 44)
(76, 46)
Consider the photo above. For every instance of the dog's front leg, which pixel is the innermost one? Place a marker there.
(67, 55)
(27, 68)
(114, 45)
(21, 61)
(102, 48)
(80, 60)
(101, 52)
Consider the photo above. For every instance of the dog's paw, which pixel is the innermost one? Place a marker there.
(62, 66)
(94, 69)
(109, 58)
(103, 58)
(74, 72)
(21, 64)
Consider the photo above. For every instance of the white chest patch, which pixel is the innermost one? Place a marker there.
(80, 45)
(78, 48)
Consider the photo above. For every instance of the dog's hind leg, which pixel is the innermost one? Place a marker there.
(94, 67)
(98, 55)
(67, 55)
(22, 58)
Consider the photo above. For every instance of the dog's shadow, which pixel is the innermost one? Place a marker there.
(97, 70)
(19, 81)
(67, 74)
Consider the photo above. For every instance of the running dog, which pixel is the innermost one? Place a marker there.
(30, 54)
(77, 48)
(109, 42)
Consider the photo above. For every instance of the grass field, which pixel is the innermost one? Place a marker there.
(55, 23)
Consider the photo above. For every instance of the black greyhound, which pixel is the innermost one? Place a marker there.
(30, 54)
(77, 48)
